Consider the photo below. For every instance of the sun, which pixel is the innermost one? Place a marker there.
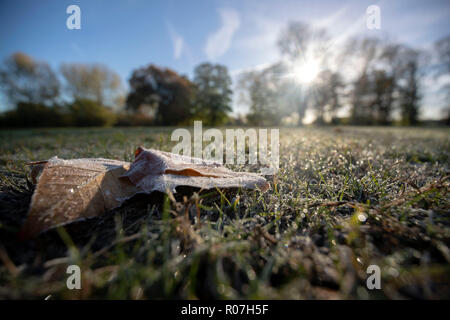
(306, 72)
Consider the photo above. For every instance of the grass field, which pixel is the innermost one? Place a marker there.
(344, 198)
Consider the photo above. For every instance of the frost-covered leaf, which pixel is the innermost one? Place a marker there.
(154, 170)
(71, 190)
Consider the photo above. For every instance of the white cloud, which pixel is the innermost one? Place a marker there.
(177, 42)
(258, 67)
(331, 19)
(220, 41)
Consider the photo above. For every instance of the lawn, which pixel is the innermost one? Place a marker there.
(343, 199)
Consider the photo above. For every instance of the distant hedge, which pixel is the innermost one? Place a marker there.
(80, 113)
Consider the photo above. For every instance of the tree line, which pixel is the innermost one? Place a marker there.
(92, 95)
(375, 81)
(360, 81)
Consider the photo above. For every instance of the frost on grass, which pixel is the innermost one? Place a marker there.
(342, 200)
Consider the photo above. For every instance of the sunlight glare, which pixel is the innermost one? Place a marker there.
(306, 72)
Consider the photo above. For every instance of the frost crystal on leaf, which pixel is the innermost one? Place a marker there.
(76, 189)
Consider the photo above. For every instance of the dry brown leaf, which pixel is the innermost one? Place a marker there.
(154, 170)
(71, 190)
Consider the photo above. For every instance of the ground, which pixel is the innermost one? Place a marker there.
(343, 199)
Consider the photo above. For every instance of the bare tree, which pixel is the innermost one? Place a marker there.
(268, 95)
(442, 47)
(409, 87)
(388, 78)
(366, 51)
(327, 97)
(442, 50)
(260, 98)
(299, 39)
(300, 44)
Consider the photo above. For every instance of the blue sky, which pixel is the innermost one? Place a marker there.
(127, 34)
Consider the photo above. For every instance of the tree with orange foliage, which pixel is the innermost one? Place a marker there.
(162, 90)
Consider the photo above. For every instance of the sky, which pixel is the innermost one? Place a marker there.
(242, 34)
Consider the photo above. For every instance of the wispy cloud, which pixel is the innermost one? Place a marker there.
(258, 67)
(220, 41)
(330, 20)
(177, 42)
